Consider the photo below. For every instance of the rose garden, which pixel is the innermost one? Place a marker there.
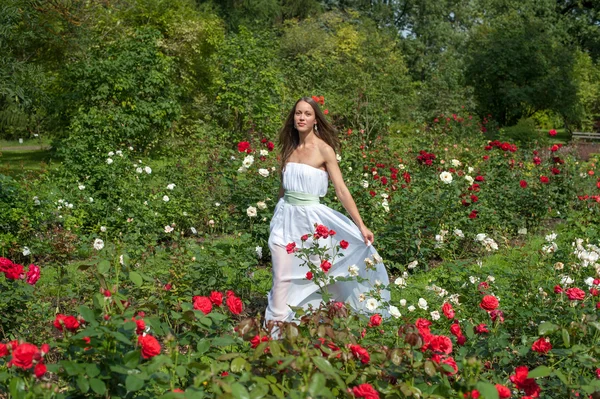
(133, 253)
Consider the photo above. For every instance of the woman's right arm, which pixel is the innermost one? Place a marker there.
(281, 192)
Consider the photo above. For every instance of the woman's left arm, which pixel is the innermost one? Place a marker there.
(343, 194)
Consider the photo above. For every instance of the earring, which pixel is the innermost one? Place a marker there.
(316, 128)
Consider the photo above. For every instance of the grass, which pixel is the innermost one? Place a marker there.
(17, 160)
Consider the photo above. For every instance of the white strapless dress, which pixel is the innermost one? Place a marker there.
(289, 223)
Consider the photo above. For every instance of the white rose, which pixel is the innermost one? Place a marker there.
(26, 251)
(168, 229)
(171, 186)
(217, 204)
(394, 312)
(264, 153)
(480, 237)
(589, 281)
(551, 237)
(400, 282)
(119, 153)
(261, 205)
(103, 229)
(251, 211)
(402, 302)
(258, 251)
(411, 308)
(365, 184)
(469, 179)
(338, 157)
(248, 161)
(401, 166)
(353, 270)
(372, 304)
(139, 170)
(110, 154)
(147, 169)
(459, 233)
(455, 162)
(412, 264)
(384, 196)
(470, 169)
(263, 172)
(91, 199)
(446, 177)
(166, 198)
(422, 304)
(98, 244)
(242, 169)
(435, 315)
(109, 161)
(81, 187)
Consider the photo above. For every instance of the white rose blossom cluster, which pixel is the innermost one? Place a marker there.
(246, 163)
(439, 238)
(588, 255)
(487, 242)
(446, 177)
(551, 247)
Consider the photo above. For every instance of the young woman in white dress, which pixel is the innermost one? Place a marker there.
(308, 157)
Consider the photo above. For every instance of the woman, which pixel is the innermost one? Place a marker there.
(308, 158)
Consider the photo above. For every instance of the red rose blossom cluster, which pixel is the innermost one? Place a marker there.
(14, 271)
(365, 391)
(322, 232)
(244, 146)
(528, 385)
(360, 353)
(26, 356)
(440, 345)
(319, 100)
(205, 303)
(62, 322)
(502, 146)
(425, 158)
(542, 346)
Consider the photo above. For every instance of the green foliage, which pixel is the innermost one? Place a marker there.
(524, 132)
(518, 65)
(122, 94)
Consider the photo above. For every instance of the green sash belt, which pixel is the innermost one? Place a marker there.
(297, 198)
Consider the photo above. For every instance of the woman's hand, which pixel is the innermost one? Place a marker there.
(367, 235)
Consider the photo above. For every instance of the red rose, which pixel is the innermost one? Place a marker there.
(344, 244)
(486, 157)
(332, 233)
(479, 178)
(446, 360)
(3, 350)
(309, 275)
(483, 286)
(39, 370)
(481, 329)
(542, 346)
(552, 132)
(14, 272)
(150, 346)
(140, 325)
(365, 391)
(270, 146)
(455, 329)
(594, 292)
(254, 342)
(87, 340)
(325, 265)
(461, 340)
(503, 392)
(598, 373)
(447, 310)
(361, 353)
(243, 146)
(234, 304)
(544, 179)
(291, 248)
(422, 324)
(575, 294)
(216, 298)
(554, 148)
(203, 304)
(558, 289)
(375, 320)
(68, 322)
(224, 374)
(441, 344)
(5, 264)
(489, 303)
(321, 231)
(473, 214)
(24, 355)
(304, 237)
(33, 274)
(106, 293)
(474, 198)
(168, 287)
(497, 315)
(526, 384)
(384, 180)
(523, 184)
(372, 193)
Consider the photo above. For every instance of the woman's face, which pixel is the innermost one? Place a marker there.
(304, 117)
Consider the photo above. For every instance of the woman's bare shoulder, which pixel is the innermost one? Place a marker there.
(325, 149)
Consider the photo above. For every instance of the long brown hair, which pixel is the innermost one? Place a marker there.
(289, 138)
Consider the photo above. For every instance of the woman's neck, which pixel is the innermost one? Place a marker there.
(306, 138)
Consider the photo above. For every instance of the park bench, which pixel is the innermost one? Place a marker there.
(586, 136)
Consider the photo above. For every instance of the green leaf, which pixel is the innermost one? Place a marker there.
(487, 390)
(87, 313)
(547, 328)
(566, 338)
(103, 266)
(133, 383)
(323, 365)
(202, 346)
(238, 365)
(92, 370)
(540, 371)
(98, 386)
(131, 359)
(561, 376)
(83, 384)
(316, 384)
(136, 278)
(239, 391)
